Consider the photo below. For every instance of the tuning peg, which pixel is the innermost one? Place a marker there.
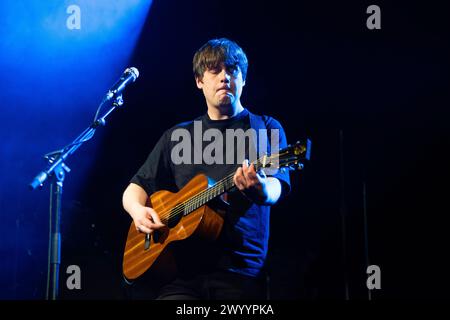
(296, 166)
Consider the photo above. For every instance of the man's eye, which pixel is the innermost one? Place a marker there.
(233, 70)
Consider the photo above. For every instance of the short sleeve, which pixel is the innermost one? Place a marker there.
(156, 172)
(283, 174)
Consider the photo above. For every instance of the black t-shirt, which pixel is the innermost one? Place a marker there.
(242, 246)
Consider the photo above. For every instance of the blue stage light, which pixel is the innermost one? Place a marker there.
(57, 61)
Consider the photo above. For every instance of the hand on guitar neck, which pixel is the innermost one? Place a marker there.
(256, 186)
(176, 216)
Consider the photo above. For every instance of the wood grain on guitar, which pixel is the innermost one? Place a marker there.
(187, 211)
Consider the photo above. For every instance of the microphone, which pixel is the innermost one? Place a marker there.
(129, 76)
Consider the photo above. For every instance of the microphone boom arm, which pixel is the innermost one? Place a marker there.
(57, 169)
(56, 158)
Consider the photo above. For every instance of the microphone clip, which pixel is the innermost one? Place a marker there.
(118, 101)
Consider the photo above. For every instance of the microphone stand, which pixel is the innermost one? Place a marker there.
(56, 170)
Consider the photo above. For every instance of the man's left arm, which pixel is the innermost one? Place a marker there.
(256, 186)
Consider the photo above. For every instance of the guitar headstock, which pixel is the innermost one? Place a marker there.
(291, 157)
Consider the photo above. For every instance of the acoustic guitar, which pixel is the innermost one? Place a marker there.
(187, 212)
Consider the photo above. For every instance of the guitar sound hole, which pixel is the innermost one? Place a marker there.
(175, 215)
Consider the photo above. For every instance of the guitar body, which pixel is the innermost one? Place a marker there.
(189, 212)
(140, 254)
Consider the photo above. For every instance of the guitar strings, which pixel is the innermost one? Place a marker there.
(179, 208)
(196, 199)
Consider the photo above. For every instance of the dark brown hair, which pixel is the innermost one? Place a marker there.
(216, 52)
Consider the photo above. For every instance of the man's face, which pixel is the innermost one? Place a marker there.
(221, 86)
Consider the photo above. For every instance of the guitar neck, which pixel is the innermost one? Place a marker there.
(216, 190)
(203, 197)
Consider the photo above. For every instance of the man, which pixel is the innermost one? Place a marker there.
(233, 266)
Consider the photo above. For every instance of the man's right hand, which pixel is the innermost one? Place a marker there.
(145, 219)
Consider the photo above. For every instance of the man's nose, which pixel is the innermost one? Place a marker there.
(225, 76)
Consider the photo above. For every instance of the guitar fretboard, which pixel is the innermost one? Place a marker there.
(207, 195)
(212, 192)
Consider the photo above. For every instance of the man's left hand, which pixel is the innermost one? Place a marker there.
(251, 183)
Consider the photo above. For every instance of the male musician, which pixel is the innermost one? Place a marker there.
(233, 266)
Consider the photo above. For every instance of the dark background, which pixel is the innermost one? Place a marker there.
(373, 102)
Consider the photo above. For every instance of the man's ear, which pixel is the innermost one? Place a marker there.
(199, 82)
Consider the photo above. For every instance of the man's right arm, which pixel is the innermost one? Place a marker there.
(134, 202)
